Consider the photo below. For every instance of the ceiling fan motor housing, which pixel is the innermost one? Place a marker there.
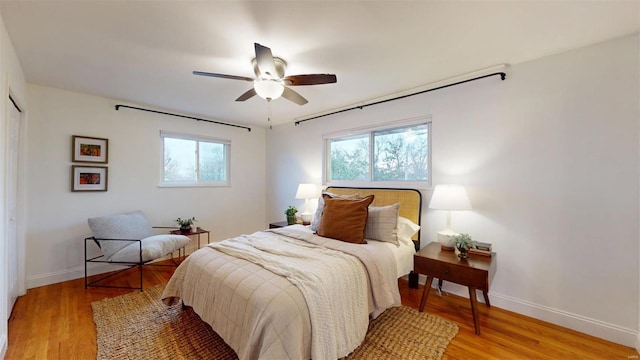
(280, 64)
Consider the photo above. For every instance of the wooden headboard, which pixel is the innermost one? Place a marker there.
(410, 201)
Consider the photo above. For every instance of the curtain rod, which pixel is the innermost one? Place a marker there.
(182, 116)
(502, 76)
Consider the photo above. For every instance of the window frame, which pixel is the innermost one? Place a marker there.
(198, 139)
(370, 130)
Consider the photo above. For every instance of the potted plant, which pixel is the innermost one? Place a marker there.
(185, 224)
(463, 244)
(291, 215)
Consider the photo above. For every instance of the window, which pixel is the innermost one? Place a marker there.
(399, 153)
(189, 160)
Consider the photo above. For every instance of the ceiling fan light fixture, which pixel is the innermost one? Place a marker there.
(269, 89)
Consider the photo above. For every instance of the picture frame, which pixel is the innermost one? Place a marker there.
(89, 149)
(89, 178)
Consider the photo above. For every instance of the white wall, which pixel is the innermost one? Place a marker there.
(57, 217)
(11, 82)
(550, 161)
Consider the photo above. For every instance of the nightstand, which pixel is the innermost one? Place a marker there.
(475, 272)
(278, 224)
(195, 232)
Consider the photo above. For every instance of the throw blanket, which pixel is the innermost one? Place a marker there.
(330, 281)
(383, 285)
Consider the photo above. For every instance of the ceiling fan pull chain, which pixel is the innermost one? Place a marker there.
(269, 114)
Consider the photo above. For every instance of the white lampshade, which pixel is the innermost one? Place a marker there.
(450, 197)
(268, 89)
(307, 191)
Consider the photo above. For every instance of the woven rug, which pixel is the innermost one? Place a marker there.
(139, 326)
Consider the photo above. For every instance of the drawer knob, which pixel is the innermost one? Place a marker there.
(446, 271)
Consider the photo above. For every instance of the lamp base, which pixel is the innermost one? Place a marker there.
(445, 238)
(306, 218)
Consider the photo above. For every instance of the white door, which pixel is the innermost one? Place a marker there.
(12, 204)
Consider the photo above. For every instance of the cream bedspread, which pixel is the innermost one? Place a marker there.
(261, 314)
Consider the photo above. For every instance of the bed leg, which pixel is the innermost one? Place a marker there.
(413, 280)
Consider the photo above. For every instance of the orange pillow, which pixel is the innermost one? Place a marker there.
(345, 219)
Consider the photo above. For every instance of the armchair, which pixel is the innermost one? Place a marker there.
(128, 240)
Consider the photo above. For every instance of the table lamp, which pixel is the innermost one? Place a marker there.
(449, 198)
(306, 192)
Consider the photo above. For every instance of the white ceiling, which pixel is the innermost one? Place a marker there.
(143, 53)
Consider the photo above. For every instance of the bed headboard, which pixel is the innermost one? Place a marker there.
(410, 201)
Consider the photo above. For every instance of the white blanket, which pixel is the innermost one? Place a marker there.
(330, 281)
(263, 315)
(379, 262)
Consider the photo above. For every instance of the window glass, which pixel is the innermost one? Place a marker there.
(179, 160)
(393, 154)
(194, 161)
(401, 154)
(212, 162)
(350, 158)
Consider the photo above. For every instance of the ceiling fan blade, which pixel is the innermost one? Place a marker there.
(293, 96)
(232, 77)
(247, 95)
(310, 79)
(264, 58)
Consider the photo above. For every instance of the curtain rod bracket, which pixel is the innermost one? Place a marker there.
(502, 76)
(182, 116)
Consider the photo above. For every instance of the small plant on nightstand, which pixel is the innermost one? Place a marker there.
(291, 215)
(185, 224)
(463, 243)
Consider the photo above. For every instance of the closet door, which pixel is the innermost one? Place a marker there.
(13, 144)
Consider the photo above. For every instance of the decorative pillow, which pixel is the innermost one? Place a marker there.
(133, 225)
(382, 223)
(317, 216)
(153, 247)
(406, 229)
(345, 219)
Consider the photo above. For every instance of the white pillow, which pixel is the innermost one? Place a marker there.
(382, 223)
(406, 229)
(153, 247)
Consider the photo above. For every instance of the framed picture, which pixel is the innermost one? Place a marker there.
(90, 149)
(88, 178)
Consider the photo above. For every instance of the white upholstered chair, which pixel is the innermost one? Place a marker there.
(129, 240)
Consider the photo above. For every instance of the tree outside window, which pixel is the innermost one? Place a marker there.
(394, 154)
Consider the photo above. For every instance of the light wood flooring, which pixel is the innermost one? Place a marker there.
(56, 322)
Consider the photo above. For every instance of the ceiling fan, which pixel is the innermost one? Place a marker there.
(270, 82)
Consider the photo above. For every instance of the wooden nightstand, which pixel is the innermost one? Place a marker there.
(475, 272)
(278, 224)
(195, 232)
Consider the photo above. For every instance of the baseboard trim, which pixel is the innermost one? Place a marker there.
(593, 327)
(615, 333)
(73, 273)
(68, 274)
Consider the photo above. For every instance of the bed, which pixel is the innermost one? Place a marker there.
(289, 293)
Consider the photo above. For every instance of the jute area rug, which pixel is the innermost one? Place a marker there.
(139, 326)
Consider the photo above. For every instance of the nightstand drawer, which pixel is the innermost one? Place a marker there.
(463, 275)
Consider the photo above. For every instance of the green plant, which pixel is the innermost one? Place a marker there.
(291, 211)
(185, 222)
(463, 242)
